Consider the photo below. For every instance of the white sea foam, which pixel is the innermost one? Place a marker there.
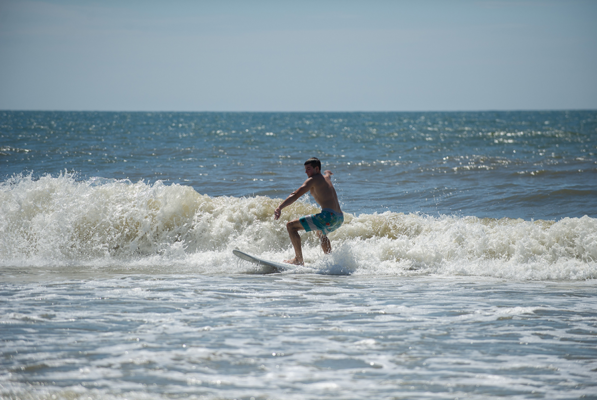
(61, 222)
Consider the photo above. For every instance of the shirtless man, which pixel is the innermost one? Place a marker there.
(327, 221)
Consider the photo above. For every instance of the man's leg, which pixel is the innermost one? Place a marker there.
(293, 228)
(326, 246)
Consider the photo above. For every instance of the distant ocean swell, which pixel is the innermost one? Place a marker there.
(62, 222)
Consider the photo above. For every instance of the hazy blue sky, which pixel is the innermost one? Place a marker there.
(298, 55)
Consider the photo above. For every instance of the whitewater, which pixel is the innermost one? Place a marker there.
(55, 221)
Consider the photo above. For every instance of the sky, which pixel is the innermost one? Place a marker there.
(283, 55)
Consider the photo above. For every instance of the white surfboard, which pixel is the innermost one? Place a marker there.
(260, 261)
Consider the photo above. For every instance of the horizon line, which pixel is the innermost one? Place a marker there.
(297, 112)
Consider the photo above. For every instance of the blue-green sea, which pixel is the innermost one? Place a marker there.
(466, 266)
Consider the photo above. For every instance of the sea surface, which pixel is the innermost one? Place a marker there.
(466, 266)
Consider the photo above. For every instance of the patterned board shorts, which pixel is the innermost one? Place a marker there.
(326, 221)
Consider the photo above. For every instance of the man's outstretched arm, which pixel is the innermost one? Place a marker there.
(294, 196)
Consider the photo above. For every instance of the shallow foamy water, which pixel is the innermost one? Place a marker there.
(296, 336)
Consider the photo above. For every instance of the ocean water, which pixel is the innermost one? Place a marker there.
(466, 267)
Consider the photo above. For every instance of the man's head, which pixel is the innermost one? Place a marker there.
(312, 166)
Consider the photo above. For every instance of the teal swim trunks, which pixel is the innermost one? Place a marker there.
(326, 221)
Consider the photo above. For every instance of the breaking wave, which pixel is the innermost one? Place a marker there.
(60, 222)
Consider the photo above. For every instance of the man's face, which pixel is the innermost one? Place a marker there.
(310, 170)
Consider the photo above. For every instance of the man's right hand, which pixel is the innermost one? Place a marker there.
(277, 213)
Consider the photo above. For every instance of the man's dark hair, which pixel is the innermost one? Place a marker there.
(314, 162)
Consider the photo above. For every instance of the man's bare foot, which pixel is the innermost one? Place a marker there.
(294, 261)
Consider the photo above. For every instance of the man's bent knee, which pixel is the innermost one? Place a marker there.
(294, 225)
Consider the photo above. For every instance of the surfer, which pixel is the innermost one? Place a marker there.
(330, 218)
